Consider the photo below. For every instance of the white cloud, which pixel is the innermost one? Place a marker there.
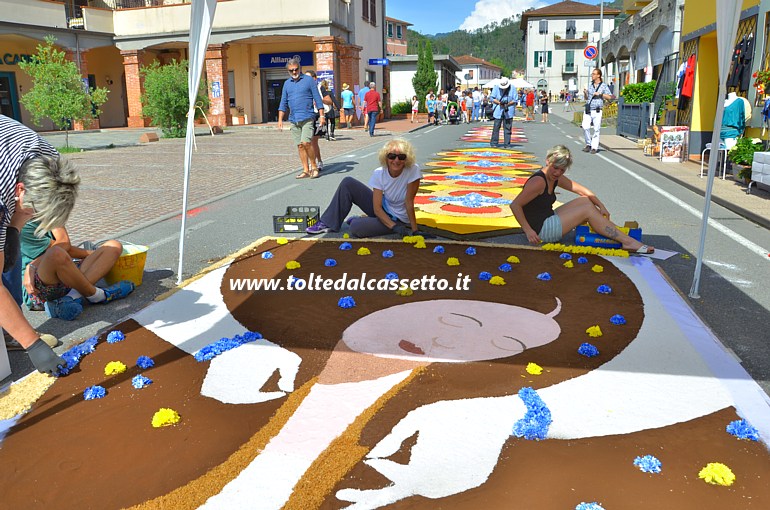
(488, 11)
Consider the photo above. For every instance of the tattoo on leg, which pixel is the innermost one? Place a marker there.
(611, 232)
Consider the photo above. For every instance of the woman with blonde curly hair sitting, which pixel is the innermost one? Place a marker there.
(388, 204)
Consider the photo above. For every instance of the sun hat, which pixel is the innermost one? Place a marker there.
(504, 83)
(345, 86)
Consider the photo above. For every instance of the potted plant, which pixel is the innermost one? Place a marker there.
(742, 156)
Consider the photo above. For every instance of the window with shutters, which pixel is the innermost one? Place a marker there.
(390, 30)
(399, 32)
(597, 25)
(365, 9)
(373, 12)
(571, 29)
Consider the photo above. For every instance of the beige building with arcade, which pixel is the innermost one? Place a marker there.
(251, 40)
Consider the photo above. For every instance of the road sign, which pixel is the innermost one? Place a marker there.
(590, 52)
(589, 63)
(378, 62)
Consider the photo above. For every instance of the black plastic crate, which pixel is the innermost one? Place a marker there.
(297, 219)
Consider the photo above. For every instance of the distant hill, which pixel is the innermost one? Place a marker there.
(499, 43)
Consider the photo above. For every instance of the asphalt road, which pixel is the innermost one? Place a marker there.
(734, 289)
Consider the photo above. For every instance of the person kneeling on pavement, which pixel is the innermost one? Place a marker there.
(56, 282)
(388, 205)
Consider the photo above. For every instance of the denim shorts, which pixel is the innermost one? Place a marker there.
(551, 232)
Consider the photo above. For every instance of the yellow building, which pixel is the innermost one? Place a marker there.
(699, 41)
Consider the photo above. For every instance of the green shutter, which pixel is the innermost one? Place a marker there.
(570, 54)
(549, 58)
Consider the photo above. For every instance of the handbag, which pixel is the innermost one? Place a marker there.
(587, 108)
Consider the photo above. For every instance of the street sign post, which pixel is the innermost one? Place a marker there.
(378, 62)
(590, 52)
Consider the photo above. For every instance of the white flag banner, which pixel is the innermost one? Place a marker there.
(728, 16)
(201, 20)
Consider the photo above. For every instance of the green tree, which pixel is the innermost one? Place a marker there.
(426, 77)
(505, 70)
(58, 90)
(165, 99)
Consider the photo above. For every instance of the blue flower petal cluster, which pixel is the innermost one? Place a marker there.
(144, 362)
(346, 246)
(330, 262)
(536, 420)
(94, 392)
(604, 289)
(267, 255)
(346, 302)
(544, 276)
(388, 254)
(470, 250)
(743, 430)
(505, 268)
(565, 256)
(73, 355)
(485, 276)
(438, 249)
(582, 260)
(588, 350)
(618, 319)
(214, 349)
(139, 381)
(648, 464)
(115, 337)
(391, 276)
(589, 506)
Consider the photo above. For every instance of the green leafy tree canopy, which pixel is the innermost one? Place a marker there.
(426, 77)
(58, 91)
(165, 99)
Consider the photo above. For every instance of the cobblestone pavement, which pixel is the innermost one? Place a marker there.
(128, 187)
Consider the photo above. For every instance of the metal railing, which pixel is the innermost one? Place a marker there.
(570, 36)
(122, 4)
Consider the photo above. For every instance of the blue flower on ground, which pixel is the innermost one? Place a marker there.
(743, 430)
(604, 289)
(94, 392)
(582, 260)
(648, 464)
(391, 276)
(618, 319)
(225, 344)
(139, 381)
(330, 262)
(346, 246)
(346, 302)
(73, 355)
(589, 506)
(115, 337)
(388, 254)
(470, 250)
(485, 276)
(537, 419)
(588, 350)
(565, 256)
(438, 249)
(294, 281)
(144, 362)
(505, 268)
(544, 276)
(267, 255)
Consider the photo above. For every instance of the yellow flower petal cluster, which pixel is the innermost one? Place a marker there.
(452, 261)
(114, 368)
(405, 292)
(346, 236)
(420, 244)
(513, 259)
(534, 369)
(497, 280)
(282, 240)
(569, 264)
(164, 417)
(293, 264)
(413, 239)
(717, 473)
(597, 268)
(585, 250)
(364, 251)
(594, 331)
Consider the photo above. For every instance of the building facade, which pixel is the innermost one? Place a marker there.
(111, 40)
(476, 72)
(395, 36)
(556, 37)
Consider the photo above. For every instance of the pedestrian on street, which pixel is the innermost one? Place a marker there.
(530, 102)
(533, 207)
(300, 95)
(373, 106)
(319, 129)
(598, 91)
(544, 106)
(505, 107)
(362, 104)
(34, 182)
(348, 108)
(388, 201)
(476, 96)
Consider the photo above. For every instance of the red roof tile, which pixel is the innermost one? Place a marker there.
(567, 8)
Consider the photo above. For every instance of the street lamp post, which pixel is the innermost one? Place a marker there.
(544, 31)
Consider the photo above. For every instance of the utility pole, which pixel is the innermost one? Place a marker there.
(544, 31)
(601, 33)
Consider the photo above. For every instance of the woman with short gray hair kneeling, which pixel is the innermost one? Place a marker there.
(388, 204)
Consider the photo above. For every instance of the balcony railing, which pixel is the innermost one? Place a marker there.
(125, 4)
(570, 36)
(569, 69)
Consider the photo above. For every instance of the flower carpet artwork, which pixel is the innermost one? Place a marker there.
(492, 397)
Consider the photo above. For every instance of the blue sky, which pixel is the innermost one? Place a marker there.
(447, 15)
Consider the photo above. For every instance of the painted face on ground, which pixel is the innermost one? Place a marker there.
(451, 330)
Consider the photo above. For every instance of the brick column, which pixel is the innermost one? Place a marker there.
(216, 72)
(82, 63)
(350, 64)
(134, 87)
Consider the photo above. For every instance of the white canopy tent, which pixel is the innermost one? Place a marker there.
(201, 19)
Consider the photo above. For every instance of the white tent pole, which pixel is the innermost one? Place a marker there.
(201, 20)
(728, 15)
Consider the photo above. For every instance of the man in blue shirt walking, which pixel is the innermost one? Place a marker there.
(300, 95)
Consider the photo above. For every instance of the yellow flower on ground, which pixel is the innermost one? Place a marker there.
(497, 280)
(413, 239)
(513, 259)
(452, 261)
(165, 417)
(717, 473)
(420, 244)
(293, 264)
(594, 331)
(569, 264)
(346, 236)
(364, 251)
(114, 368)
(405, 292)
(597, 269)
(534, 369)
(282, 240)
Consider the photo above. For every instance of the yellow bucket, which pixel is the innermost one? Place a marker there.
(130, 265)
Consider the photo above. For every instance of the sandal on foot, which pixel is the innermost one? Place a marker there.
(315, 173)
(302, 175)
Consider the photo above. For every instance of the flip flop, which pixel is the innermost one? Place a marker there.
(303, 175)
(315, 173)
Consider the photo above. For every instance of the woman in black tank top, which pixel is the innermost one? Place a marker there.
(534, 205)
